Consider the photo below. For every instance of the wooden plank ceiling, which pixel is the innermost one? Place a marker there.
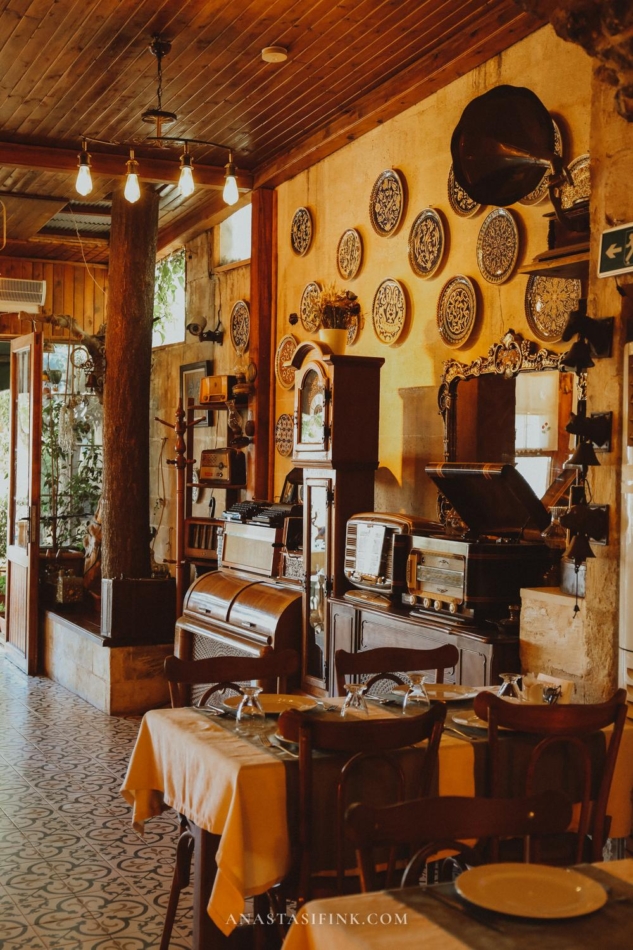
(76, 68)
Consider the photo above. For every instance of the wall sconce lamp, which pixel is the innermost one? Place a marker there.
(597, 333)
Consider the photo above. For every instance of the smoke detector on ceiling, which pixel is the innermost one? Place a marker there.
(274, 54)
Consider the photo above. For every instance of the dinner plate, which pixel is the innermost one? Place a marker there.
(446, 692)
(472, 720)
(275, 703)
(531, 890)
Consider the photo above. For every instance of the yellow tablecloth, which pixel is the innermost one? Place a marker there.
(377, 922)
(230, 787)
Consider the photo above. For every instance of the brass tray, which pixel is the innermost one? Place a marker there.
(498, 246)
(456, 311)
(386, 204)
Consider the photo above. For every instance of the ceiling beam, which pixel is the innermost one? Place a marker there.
(111, 165)
(494, 33)
(60, 237)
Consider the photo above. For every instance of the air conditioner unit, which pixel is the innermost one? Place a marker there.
(21, 295)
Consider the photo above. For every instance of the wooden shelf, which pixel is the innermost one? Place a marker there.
(241, 401)
(556, 264)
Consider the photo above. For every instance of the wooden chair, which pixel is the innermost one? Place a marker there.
(429, 826)
(569, 732)
(387, 662)
(357, 741)
(223, 673)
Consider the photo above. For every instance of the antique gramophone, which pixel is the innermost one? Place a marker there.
(502, 146)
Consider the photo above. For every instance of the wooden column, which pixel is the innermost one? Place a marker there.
(125, 505)
(262, 341)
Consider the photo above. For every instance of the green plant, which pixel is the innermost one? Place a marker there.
(169, 285)
(337, 308)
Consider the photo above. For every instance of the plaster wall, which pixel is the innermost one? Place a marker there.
(337, 192)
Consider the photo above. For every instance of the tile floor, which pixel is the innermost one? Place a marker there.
(74, 875)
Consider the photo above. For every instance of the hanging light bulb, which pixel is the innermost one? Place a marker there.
(132, 188)
(186, 184)
(83, 184)
(230, 194)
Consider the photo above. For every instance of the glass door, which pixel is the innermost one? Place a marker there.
(24, 501)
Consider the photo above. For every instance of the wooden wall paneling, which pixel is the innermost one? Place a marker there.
(261, 349)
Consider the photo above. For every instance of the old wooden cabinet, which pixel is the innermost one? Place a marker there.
(484, 651)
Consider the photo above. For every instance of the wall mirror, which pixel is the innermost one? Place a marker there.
(509, 406)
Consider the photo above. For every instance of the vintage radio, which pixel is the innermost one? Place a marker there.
(223, 467)
(479, 574)
(376, 549)
(216, 389)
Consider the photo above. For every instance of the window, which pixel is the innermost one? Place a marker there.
(235, 237)
(169, 300)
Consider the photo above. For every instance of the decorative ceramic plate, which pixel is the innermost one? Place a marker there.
(386, 205)
(284, 372)
(498, 246)
(581, 188)
(301, 231)
(240, 325)
(531, 890)
(389, 311)
(456, 311)
(426, 243)
(548, 304)
(353, 330)
(461, 203)
(283, 435)
(308, 308)
(349, 254)
(542, 188)
(275, 703)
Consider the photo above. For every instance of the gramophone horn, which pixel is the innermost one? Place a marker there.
(502, 145)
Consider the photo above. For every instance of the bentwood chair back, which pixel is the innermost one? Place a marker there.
(222, 673)
(563, 745)
(387, 662)
(358, 742)
(219, 674)
(425, 828)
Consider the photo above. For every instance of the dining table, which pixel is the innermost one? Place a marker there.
(439, 918)
(237, 792)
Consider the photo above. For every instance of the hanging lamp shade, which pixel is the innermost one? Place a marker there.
(502, 145)
(583, 456)
(579, 549)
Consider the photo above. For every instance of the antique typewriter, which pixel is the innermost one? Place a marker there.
(275, 514)
(243, 510)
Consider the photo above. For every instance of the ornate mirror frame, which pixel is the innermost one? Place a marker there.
(513, 355)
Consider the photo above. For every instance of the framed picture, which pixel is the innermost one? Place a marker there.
(190, 376)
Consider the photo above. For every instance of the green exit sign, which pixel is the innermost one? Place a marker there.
(616, 251)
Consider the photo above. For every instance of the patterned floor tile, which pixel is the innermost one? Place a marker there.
(73, 873)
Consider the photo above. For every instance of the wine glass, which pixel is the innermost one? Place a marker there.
(250, 716)
(355, 699)
(416, 697)
(510, 686)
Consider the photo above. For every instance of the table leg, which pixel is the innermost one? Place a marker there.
(206, 936)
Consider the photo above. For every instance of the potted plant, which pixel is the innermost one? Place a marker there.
(338, 311)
